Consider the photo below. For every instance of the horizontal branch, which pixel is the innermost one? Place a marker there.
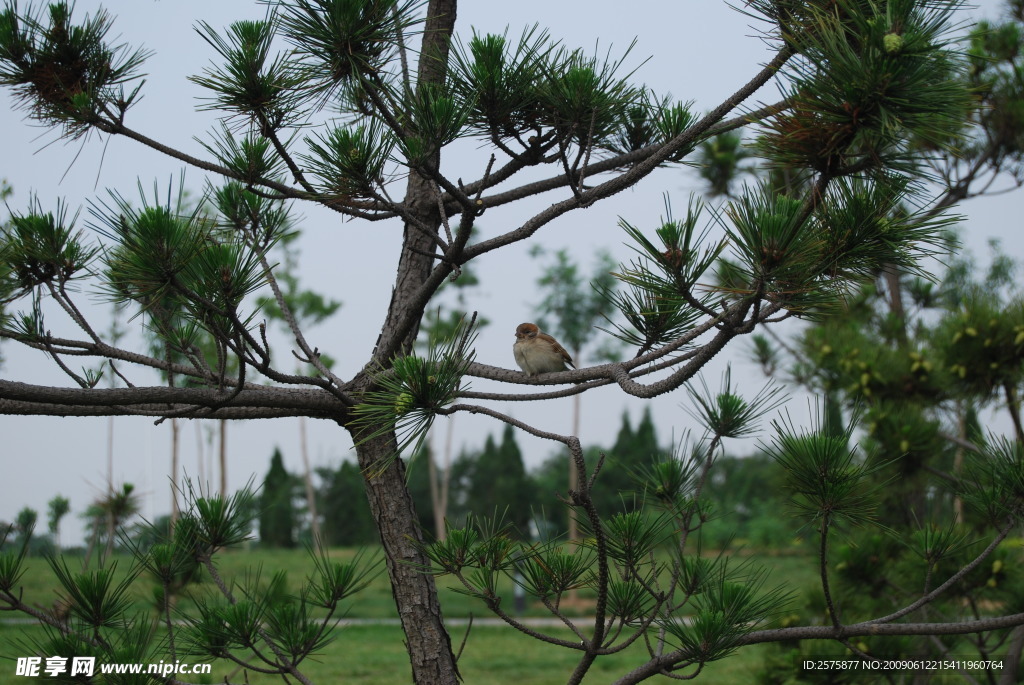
(83, 348)
(23, 398)
(156, 411)
(730, 324)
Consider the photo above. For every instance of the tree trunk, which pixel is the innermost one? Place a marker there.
(440, 481)
(204, 466)
(435, 490)
(93, 541)
(175, 468)
(414, 592)
(307, 476)
(110, 456)
(108, 549)
(958, 461)
(574, 476)
(110, 490)
(223, 459)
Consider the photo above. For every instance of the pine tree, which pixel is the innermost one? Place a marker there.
(337, 103)
(347, 518)
(277, 508)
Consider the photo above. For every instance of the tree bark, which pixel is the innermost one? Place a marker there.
(414, 592)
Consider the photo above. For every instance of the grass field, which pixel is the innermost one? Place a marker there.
(375, 654)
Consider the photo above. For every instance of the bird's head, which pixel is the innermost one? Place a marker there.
(526, 331)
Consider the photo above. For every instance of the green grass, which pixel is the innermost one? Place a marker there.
(376, 654)
(40, 585)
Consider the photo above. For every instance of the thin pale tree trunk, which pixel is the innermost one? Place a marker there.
(446, 474)
(574, 476)
(109, 548)
(200, 450)
(110, 456)
(110, 492)
(93, 541)
(223, 459)
(314, 521)
(175, 468)
(439, 480)
(958, 462)
(435, 490)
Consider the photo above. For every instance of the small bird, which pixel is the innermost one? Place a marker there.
(538, 352)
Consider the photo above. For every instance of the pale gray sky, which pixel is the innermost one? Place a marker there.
(699, 50)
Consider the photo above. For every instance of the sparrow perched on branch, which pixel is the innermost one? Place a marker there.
(538, 352)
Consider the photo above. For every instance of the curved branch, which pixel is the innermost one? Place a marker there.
(867, 629)
(462, 254)
(360, 210)
(952, 579)
(300, 338)
(640, 170)
(626, 159)
(623, 373)
(476, 409)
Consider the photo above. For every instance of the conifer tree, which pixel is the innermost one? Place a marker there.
(277, 508)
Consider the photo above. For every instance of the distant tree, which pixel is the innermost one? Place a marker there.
(476, 478)
(747, 501)
(105, 516)
(442, 322)
(624, 438)
(25, 523)
(277, 508)
(59, 506)
(305, 308)
(419, 476)
(719, 162)
(119, 507)
(347, 517)
(572, 307)
(515, 492)
(93, 516)
(645, 440)
(632, 451)
(495, 482)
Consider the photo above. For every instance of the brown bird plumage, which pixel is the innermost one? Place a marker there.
(537, 352)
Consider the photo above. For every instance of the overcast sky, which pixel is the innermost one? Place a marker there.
(699, 50)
